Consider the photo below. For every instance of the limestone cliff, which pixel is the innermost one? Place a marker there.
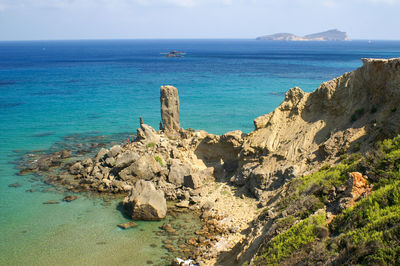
(308, 129)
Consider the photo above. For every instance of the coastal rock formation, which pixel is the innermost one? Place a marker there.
(309, 129)
(227, 178)
(145, 202)
(170, 108)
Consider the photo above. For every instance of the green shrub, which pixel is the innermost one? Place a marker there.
(159, 160)
(299, 235)
(374, 223)
(151, 145)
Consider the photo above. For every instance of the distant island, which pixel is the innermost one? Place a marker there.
(330, 35)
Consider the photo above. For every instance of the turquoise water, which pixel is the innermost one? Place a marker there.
(53, 89)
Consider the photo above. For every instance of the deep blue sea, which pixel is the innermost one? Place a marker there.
(50, 90)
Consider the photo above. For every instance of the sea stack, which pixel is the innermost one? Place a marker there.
(170, 109)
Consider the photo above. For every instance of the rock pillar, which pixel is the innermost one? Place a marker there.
(170, 109)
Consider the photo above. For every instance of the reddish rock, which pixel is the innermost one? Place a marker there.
(359, 185)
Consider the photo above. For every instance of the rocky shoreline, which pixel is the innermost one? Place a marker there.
(236, 182)
(172, 164)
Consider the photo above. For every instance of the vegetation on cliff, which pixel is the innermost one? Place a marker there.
(366, 233)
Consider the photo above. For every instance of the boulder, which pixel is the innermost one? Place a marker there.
(169, 99)
(145, 167)
(145, 202)
(192, 181)
(76, 168)
(182, 204)
(114, 151)
(101, 154)
(125, 159)
(177, 172)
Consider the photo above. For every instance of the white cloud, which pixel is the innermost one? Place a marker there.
(108, 3)
(385, 1)
(182, 3)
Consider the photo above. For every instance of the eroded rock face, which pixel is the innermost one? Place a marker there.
(145, 202)
(311, 129)
(146, 132)
(170, 108)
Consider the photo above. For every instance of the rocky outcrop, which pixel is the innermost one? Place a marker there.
(145, 202)
(147, 133)
(356, 187)
(309, 129)
(306, 131)
(170, 109)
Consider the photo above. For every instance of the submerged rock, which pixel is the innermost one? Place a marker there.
(51, 202)
(70, 198)
(127, 225)
(145, 202)
(14, 185)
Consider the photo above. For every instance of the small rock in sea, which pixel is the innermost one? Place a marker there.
(168, 228)
(153, 245)
(70, 198)
(149, 262)
(170, 248)
(14, 185)
(167, 241)
(101, 243)
(31, 190)
(24, 231)
(51, 202)
(128, 225)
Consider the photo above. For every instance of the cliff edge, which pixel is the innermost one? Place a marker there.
(310, 129)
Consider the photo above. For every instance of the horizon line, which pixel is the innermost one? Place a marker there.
(128, 39)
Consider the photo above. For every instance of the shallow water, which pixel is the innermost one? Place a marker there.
(85, 89)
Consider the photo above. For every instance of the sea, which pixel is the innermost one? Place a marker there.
(60, 94)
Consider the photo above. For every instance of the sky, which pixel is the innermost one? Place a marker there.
(137, 19)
